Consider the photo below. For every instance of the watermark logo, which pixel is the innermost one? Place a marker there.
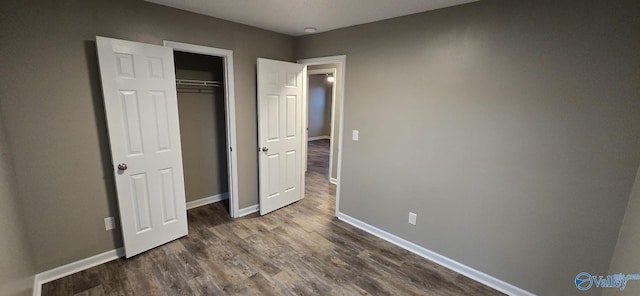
(584, 281)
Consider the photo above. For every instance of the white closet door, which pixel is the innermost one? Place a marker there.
(138, 82)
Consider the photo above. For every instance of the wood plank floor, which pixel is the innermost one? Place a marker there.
(298, 250)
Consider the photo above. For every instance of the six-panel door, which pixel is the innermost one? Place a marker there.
(138, 82)
(279, 133)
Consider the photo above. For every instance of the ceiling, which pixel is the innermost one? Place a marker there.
(291, 17)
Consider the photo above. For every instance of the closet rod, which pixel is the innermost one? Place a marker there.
(192, 82)
(196, 90)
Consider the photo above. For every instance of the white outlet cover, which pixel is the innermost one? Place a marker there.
(412, 218)
(109, 223)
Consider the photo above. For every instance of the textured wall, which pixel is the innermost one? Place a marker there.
(510, 127)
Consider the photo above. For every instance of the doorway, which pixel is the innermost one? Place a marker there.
(320, 120)
(336, 65)
(206, 106)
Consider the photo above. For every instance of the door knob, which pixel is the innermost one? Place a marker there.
(265, 149)
(122, 166)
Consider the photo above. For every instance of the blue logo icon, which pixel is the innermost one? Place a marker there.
(583, 281)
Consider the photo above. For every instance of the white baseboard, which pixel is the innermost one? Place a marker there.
(333, 180)
(319, 138)
(458, 267)
(248, 210)
(73, 267)
(207, 200)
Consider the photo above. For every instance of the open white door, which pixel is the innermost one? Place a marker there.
(280, 133)
(138, 82)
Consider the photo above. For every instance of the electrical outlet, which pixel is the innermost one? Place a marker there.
(412, 218)
(109, 223)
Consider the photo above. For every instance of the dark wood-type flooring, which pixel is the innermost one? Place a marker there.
(298, 250)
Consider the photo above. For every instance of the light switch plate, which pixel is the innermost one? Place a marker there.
(356, 135)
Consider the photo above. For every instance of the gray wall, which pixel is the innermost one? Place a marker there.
(626, 258)
(203, 138)
(510, 127)
(339, 82)
(202, 133)
(51, 103)
(16, 265)
(319, 113)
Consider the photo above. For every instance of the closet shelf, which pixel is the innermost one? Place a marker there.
(201, 83)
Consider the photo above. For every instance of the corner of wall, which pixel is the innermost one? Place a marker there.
(625, 257)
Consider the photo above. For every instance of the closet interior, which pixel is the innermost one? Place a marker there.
(201, 108)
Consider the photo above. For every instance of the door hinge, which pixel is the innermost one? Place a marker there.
(231, 149)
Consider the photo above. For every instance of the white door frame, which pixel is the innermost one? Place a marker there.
(331, 71)
(230, 102)
(341, 60)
